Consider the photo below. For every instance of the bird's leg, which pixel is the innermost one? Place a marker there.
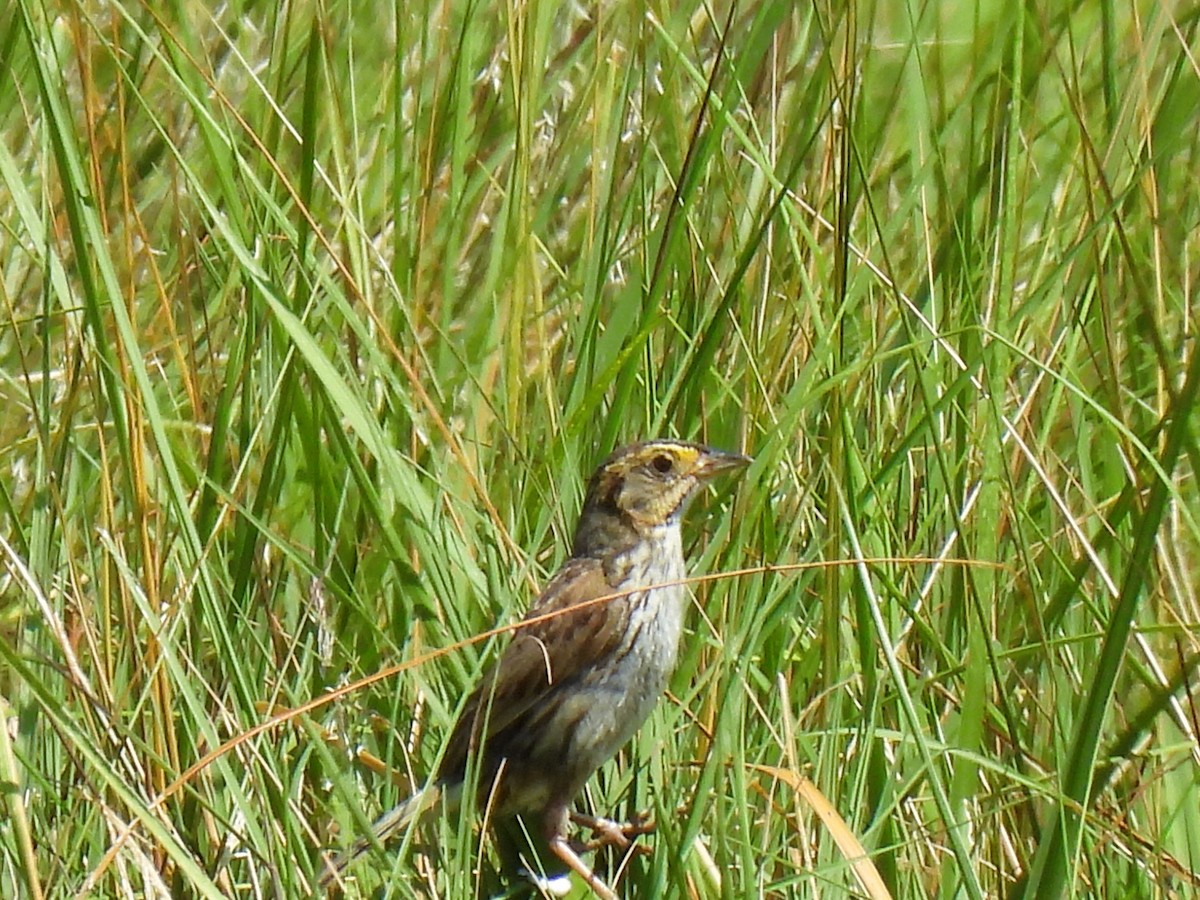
(610, 833)
(561, 849)
(556, 837)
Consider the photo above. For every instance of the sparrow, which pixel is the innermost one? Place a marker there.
(588, 662)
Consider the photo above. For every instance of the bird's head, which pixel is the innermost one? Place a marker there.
(647, 485)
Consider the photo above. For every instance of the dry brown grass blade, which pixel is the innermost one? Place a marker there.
(853, 851)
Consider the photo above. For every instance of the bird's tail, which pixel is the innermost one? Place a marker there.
(383, 829)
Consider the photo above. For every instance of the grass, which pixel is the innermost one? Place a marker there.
(315, 318)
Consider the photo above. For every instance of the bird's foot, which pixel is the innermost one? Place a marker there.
(614, 834)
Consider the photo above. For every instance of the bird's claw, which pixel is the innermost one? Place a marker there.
(608, 833)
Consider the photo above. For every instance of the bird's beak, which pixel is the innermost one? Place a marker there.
(714, 462)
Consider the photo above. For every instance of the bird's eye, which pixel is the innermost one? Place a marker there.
(663, 463)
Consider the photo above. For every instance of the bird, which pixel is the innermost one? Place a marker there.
(586, 665)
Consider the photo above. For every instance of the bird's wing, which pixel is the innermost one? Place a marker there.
(540, 655)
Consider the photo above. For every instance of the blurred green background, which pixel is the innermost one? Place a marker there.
(316, 316)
